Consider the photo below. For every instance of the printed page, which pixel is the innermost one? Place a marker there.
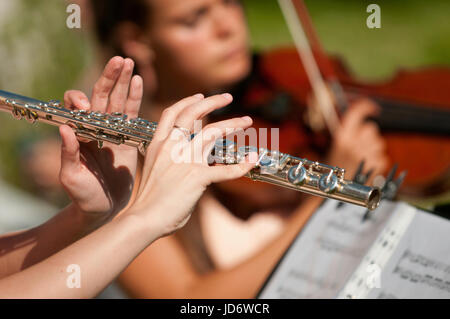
(326, 252)
(420, 264)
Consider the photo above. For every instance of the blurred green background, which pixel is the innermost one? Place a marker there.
(42, 58)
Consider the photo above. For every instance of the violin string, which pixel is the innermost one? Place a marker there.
(414, 118)
(406, 116)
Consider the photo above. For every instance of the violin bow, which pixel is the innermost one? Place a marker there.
(327, 69)
(293, 11)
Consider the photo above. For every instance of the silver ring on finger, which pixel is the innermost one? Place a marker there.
(187, 133)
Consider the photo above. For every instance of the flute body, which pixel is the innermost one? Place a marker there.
(272, 167)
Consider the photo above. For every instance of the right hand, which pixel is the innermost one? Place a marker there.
(172, 181)
(100, 181)
(357, 139)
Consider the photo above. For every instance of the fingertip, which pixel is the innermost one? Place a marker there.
(116, 59)
(129, 62)
(228, 96)
(116, 63)
(77, 100)
(67, 136)
(247, 119)
(133, 104)
(63, 130)
(371, 105)
(137, 81)
(128, 65)
(376, 108)
(84, 104)
(61, 133)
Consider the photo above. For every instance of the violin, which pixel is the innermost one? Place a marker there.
(414, 118)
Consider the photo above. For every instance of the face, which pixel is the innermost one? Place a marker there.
(199, 45)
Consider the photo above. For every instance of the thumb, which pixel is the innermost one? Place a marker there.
(224, 173)
(70, 150)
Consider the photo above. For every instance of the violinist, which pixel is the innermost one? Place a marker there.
(182, 47)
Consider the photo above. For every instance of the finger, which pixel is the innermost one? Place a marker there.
(377, 163)
(224, 173)
(371, 153)
(105, 84)
(74, 99)
(134, 100)
(378, 169)
(70, 151)
(119, 94)
(210, 133)
(170, 114)
(358, 113)
(163, 130)
(199, 110)
(372, 128)
(368, 134)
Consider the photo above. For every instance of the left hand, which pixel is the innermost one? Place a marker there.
(100, 181)
(357, 140)
(176, 171)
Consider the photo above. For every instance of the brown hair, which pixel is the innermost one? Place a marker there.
(109, 14)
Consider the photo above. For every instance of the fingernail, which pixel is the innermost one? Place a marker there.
(247, 119)
(199, 96)
(228, 96)
(85, 104)
(129, 61)
(118, 61)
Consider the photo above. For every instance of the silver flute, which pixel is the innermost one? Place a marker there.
(272, 166)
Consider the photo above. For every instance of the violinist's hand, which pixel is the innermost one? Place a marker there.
(100, 181)
(357, 139)
(173, 179)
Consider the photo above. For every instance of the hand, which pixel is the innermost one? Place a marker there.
(357, 139)
(100, 181)
(173, 179)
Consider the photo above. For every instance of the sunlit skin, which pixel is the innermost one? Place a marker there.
(196, 46)
(191, 46)
(34, 263)
(203, 46)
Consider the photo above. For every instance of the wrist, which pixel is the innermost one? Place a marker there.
(88, 222)
(142, 227)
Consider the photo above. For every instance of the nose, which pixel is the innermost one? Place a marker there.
(223, 22)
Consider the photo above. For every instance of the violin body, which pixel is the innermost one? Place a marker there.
(414, 121)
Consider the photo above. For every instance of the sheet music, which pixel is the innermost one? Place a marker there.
(420, 266)
(368, 274)
(327, 252)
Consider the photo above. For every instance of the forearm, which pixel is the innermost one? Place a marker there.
(101, 256)
(246, 279)
(241, 281)
(25, 248)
